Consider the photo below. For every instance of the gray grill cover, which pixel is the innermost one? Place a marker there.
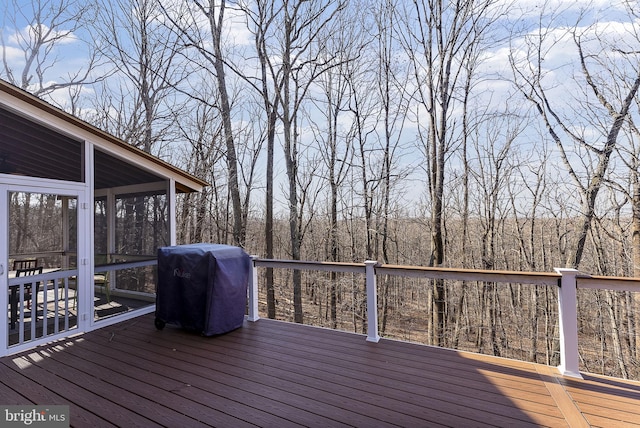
(203, 287)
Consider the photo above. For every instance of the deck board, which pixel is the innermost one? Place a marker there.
(339, 372)
(395, 375)
(276, 374)
(402, 388)
(139, 360)
(620, 408)
(231, 375)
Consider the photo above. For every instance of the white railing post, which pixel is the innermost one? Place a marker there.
(372, 301)
(253, 292)
(568, 320)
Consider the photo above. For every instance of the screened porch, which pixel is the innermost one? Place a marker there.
(85, 214)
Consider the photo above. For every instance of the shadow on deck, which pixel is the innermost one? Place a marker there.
(277, 374)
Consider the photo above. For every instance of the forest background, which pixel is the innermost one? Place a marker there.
(474, 134)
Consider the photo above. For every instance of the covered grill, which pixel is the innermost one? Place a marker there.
(202, 287)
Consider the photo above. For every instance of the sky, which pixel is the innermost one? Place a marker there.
(73, 48)
(604, 19)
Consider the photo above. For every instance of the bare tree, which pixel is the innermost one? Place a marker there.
(146, 64)
(201, 213)
(630, 156)
(492, 169)
(529, 77)
(144, 69)
(334, 140)
(207, 42)
(40, 30)
(336, 154)
(441, 37)
(260, 20)
(293, 63)
(526, 196)
(391, 77)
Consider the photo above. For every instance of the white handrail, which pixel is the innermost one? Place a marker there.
(58, 279)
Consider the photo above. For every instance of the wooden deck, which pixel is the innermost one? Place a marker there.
(276, 374)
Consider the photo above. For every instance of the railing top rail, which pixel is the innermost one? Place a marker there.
(617, 283)
(460, 274)
(124, 265)
(310, 265)
(539, 278)
(46, 276)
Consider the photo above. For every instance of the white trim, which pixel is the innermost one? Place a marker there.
(171, 209)
(105, 322)
(4, 269)
(48, 187)
(372, 301)
(252, 295)
(568, 323)
(86, 214)
(111, 222)
(43, 183)
(61, 191)
(39, 116)
(138, 188)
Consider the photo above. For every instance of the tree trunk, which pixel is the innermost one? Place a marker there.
(618, 354)
(225, 109)
(635, 244)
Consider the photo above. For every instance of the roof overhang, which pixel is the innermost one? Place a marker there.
(40, 140)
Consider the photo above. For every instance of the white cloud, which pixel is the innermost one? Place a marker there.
(13, 54)
(522, 9)
(29, 34)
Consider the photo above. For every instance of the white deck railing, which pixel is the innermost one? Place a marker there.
(567, 280)
(54, 289)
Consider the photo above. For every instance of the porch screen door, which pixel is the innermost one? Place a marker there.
(41, 264)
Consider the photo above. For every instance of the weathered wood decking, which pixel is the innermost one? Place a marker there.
(276, 374)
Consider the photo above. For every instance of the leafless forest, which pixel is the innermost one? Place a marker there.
(477, 134)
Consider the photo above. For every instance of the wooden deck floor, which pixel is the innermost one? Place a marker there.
(276, 374)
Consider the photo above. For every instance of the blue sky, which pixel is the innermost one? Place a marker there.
(601, 20)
